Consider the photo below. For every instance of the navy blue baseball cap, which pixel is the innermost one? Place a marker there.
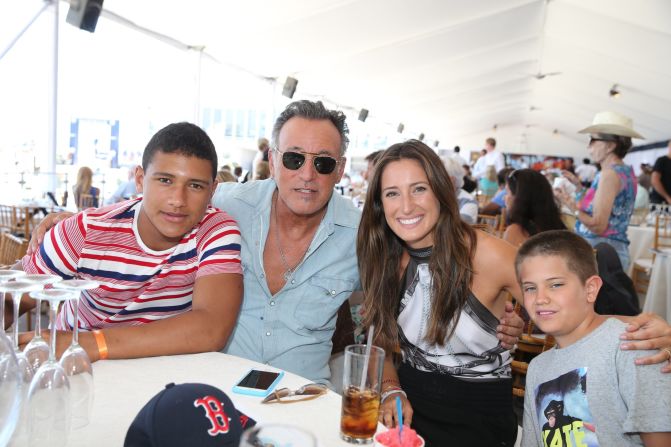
(188, 414)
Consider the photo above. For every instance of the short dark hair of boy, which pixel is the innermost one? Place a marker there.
(573, 249)
(181, 138)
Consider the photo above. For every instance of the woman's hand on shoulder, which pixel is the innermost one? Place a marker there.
(649, 331)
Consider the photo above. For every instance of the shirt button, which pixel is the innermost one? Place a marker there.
(268, 334)
(332, 292)
(272, 303)
(261, 275)
(293, 281)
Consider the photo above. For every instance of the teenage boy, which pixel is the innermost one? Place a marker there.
(167, 263)
(586, 391)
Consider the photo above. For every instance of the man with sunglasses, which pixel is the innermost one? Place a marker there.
(298, 245)
(298, 251)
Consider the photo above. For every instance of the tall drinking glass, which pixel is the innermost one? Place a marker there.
(360, 404)
(75, 361)
(49, 394)
(263, 435)
(17, 289)
(37, 350)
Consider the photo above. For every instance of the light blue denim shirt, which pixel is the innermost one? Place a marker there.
(291, 330)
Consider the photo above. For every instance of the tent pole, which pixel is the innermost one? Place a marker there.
(53, 112)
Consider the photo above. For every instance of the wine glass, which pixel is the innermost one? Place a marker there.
(17, 289)
(262, 435)
(49, 395)
(37, 350)
(10, 389)
(75, 361)
(6, 276)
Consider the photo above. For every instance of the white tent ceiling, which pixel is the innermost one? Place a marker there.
(452, 69)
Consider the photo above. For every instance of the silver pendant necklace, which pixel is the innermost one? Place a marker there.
(288, 270)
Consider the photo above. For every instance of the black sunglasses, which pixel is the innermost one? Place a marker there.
(593, 139)
(294, 160)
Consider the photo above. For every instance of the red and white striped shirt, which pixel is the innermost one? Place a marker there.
(137, 285)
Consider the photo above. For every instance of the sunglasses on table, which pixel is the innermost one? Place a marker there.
(287, 396)
(294, 160)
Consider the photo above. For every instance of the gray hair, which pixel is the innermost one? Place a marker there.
(455, 171)
(312, 111)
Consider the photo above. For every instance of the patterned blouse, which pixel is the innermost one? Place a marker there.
(623, 206)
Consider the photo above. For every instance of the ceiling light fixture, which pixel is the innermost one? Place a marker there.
(400, 128)
(614, 92)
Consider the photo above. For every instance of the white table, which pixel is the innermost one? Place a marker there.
(658, 298)
(123, 387)
(641, 239)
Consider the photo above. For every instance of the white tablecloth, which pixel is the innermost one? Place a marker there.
(122, 387)
(658, 298)
(640, 243)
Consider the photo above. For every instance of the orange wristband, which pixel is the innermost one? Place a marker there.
(102, 345)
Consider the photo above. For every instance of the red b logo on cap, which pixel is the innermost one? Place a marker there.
(214, 410)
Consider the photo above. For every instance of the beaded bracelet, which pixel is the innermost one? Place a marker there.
(388, 393)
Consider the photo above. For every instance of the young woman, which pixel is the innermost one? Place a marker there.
(455, 373)
(531, 206)
(84, 189)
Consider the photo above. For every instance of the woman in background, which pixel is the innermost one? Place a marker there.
(604, 209)
(531, 206)
(86, 195)
(488, 183)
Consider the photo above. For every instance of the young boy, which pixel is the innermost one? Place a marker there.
(167, 263)
(586, 391)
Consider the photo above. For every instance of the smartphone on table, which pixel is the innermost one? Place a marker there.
(258, 383)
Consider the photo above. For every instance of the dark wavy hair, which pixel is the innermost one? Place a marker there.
(379, 252)
(533, 207)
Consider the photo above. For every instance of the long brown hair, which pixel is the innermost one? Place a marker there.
(379, 252)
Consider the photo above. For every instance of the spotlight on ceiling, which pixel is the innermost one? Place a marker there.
(614, 92)
(494, 127)
(436, 143)
(400, 128)
(84, 14)
(363, 114)
(289, 87)
(421, 137)
(555, 132)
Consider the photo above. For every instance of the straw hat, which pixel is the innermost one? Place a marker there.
(612, 123)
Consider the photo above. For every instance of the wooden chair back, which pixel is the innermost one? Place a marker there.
(85, 201)
(662, 239)
(12, 249)
(495, 225)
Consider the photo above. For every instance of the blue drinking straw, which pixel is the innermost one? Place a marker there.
(400, 417)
